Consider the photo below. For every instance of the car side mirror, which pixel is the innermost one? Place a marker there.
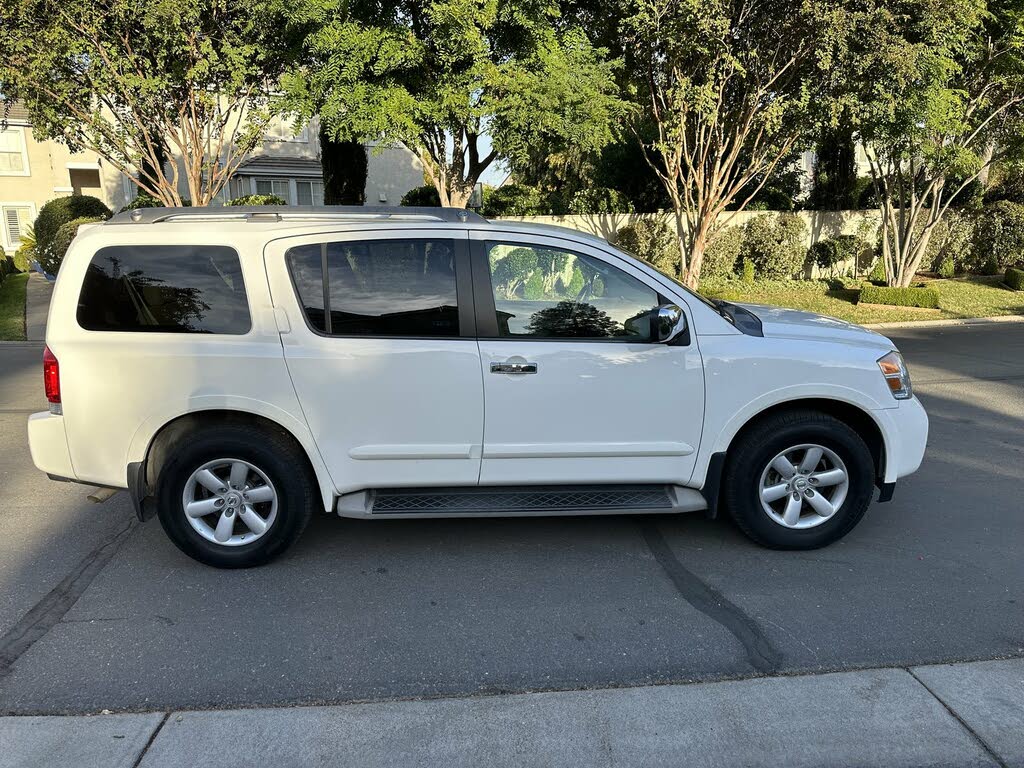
(669, 322)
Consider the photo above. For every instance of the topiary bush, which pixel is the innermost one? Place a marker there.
(599, 200)
(56, 213)
(947, 267)
(54, 256)
(257, 200)
(720, 257)
(877, 275)
(1014, 278)
(425, 196)
(999, 237)
(927, 298)
(832, 251)
(652, 240)
(513, 200)
(775, 245)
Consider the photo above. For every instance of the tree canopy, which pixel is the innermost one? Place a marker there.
(436, 75)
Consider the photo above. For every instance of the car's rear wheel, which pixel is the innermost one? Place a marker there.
(798, 480)
(235, 496)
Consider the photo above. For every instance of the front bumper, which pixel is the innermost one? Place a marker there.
(48, 443)
(905, 432)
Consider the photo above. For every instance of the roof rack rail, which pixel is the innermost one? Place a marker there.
(295, 213)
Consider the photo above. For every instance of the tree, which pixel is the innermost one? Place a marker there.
(731, 86)
(835, 169)
(345, 166)
(937, 93)
(141, 81)
(436, 75)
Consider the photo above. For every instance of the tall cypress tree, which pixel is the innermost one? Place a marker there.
(344, 166)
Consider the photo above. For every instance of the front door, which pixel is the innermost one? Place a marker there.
(382, 354)
(576, 389)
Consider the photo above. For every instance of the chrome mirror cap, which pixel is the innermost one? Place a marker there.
(669, 322)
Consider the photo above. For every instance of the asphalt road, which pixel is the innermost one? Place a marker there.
(366, 610)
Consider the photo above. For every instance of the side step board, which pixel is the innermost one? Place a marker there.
(520, 501)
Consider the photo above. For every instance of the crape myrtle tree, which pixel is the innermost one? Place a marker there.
(733, 87)
(937, 94)
(437, 75)
(141, 82)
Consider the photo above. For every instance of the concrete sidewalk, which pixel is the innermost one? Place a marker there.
(969, 714)
(37, 306)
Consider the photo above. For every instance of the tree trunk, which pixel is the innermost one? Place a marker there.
(700, 238)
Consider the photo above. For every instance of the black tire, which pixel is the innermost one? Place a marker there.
(276, 454)
(759, 445)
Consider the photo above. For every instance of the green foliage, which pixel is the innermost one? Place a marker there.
(6, 265)
(831, 251)
(345, 165)
(1014, 278)
(946, 267)
(533, 288)
(58, 249)
(651, 239)
(141, 200)
(128, 78)
(721, 256)
(417, 73)
(877, 274)
(927, 298)
(775, 245)
(58, 212)
(747, 274)
(576, 283)
(257, 200)
(999, 237)
(514, 270)
(599, 200)
(24, 256)
(425, 196)
(835, 170)
(512, 200)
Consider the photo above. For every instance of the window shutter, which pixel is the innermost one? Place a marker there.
(12, 223)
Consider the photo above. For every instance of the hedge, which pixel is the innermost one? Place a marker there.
(422, 196)
(58, 212)
(927, 298)
(54, 256)
(1015, 278)
(257, 200)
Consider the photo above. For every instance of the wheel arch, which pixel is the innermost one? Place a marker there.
(149, 452)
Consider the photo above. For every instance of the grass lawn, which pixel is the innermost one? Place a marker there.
(959, 297)
(12, 307)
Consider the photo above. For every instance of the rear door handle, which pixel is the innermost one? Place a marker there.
(513, 368)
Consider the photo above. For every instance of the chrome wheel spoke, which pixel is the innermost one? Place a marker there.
(239, 472)
(253, 521)
(203, 507)
(225, 526)
(811, 459)
(773, 492)
(260, 494)
(783, 466)
(828, 477)
(209, 481)
(820, 504)
(793, 507)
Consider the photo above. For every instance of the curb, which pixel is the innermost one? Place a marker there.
(950, 323)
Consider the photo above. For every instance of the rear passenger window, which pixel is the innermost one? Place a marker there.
(378, 288)
(164, 289)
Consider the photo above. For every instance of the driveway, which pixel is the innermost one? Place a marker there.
(376, 610)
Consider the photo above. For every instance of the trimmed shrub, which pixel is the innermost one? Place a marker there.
(141, 200)
(720, 257)
(927, 298)
(58, 212)
(513, 200)
(1014, 278)
(425, 196)
(775, 244)
(24, 256)
(54, 256)
(831, 251)
(877, 274)
(747, 274)
(947, 267)
(999, 237)
(652, 240)
(257, 200)
(599, 200)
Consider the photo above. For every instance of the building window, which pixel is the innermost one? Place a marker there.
(279, 187)
(279, 129)
(17, 218)
(13, 157)
(309, 192)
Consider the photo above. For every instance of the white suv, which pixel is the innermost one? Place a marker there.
(235, 369)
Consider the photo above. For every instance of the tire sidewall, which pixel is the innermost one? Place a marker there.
(291, 484)
(745, 482)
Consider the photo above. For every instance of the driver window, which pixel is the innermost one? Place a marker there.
(548, 292)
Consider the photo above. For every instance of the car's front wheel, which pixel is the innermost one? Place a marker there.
(798, 480)
(235, 496)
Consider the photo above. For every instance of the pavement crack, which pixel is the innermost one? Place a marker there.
(712, 603)
(49, 611)
(151, 739)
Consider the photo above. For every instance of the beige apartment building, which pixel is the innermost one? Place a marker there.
(287, 164)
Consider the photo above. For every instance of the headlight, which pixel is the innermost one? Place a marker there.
(896, 375)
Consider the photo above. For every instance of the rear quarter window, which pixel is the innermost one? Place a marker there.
(165, 289)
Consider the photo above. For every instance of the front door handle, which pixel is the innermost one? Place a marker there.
(513, 368)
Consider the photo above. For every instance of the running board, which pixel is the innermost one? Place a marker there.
(521, 501)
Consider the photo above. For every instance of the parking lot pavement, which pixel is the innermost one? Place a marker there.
(380, 610)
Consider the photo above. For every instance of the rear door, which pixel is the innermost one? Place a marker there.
(576, 389)
(382, 353)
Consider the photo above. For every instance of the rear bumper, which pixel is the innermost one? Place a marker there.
(48, 443)
(905, 430)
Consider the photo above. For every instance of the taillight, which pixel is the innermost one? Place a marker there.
(51, 380)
